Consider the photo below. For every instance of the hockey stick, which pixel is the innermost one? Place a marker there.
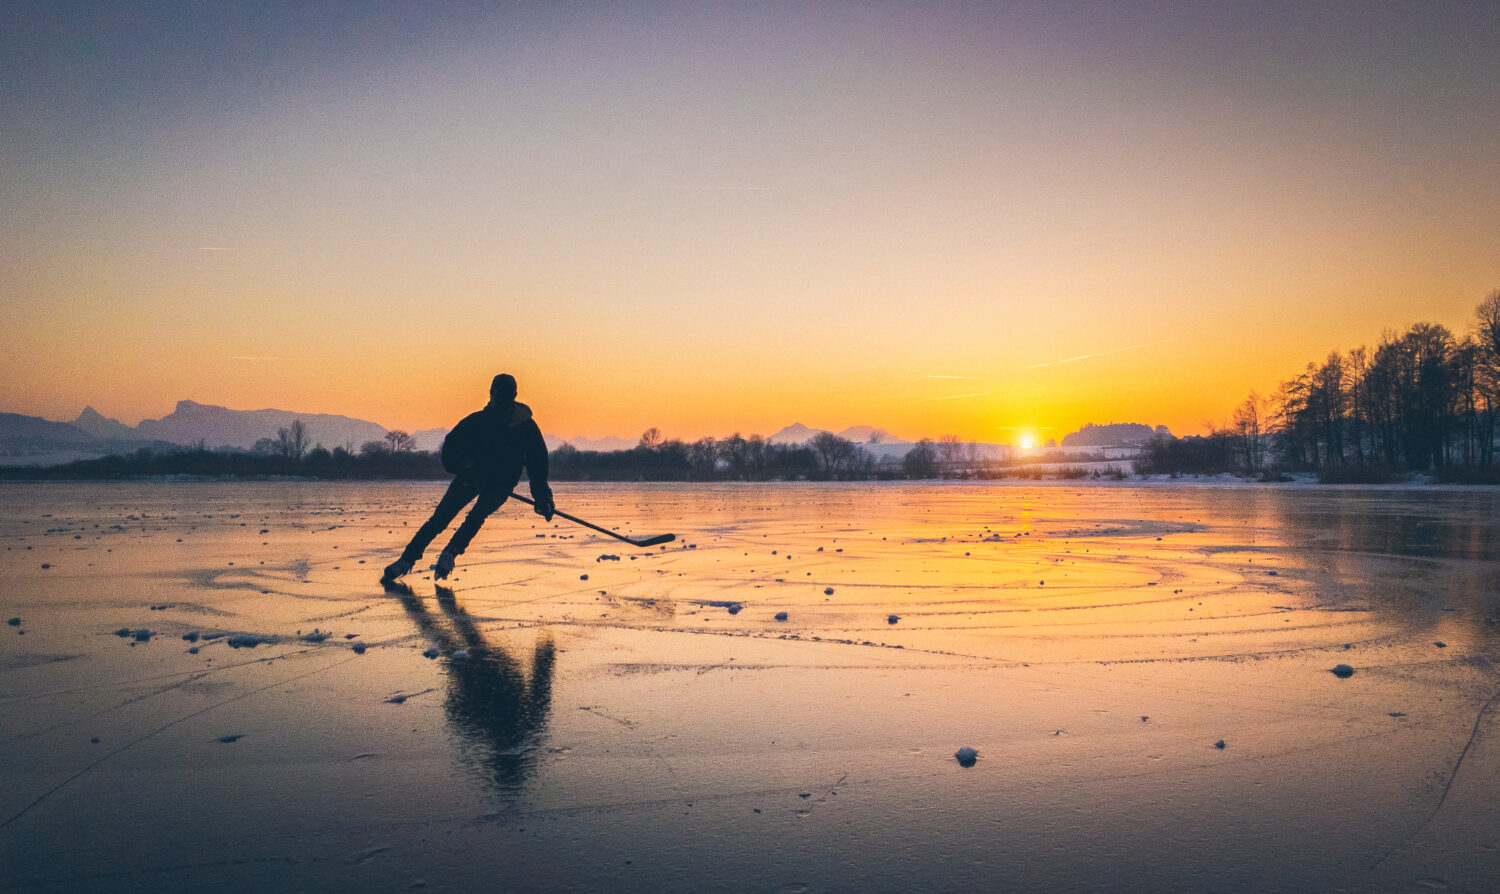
(644, 541)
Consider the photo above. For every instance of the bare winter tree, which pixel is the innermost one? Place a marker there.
(732, 451)
(1487, 372)
(755, 454)
(1487, 325)
(400, 441)
(703, 455)
(291, 441)
(921, 460)
(834, 452)
(950, 451)
(651, 438)
(1249, 429)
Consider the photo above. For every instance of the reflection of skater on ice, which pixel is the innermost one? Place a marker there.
(486, 452)
(497, 707)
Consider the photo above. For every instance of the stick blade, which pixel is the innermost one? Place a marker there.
(653, 541)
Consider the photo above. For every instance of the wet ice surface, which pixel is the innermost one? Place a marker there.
(1145, 674)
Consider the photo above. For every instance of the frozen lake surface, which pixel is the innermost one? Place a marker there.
(203, 685)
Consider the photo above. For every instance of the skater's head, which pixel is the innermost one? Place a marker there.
(503, 388)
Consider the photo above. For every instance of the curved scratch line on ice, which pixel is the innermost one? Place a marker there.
(132, 743)
(66, 722)
(122, 684)
(1452, 776)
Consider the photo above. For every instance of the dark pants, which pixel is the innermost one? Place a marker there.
(459, 493)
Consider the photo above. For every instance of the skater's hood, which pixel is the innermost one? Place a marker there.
(519, 412)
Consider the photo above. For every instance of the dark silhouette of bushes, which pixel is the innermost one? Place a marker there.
(704, 460)
(667, 460)
(1192, 455)
(199, 463)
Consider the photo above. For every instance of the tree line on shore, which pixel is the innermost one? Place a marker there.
(1422, 401)
(1425, 400)
(826, 457)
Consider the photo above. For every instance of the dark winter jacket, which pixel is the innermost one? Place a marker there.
(492, 446)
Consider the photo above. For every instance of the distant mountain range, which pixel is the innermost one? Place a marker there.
(33, 429)
(31, 439)
(192, 422)
(797, 433)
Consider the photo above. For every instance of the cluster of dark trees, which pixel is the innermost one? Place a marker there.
(288, 455)
(659, 459)
(826, 457)
(292, 443)
(679, 461)
(1425, 400)
(318, 462)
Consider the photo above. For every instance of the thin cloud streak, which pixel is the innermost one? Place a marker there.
(960, 396)
(1149, 344)
(731, 188)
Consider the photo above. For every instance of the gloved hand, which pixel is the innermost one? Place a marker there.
(544, 506)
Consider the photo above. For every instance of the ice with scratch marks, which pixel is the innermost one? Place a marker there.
(883, 633)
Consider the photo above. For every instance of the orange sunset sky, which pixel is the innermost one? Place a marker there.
(967, 218)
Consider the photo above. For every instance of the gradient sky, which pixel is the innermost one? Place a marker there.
(968, 218)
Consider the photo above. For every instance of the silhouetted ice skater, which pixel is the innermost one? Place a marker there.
(486, 452)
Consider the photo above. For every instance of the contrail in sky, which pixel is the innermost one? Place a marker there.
(1149, 344)
(732, 188)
